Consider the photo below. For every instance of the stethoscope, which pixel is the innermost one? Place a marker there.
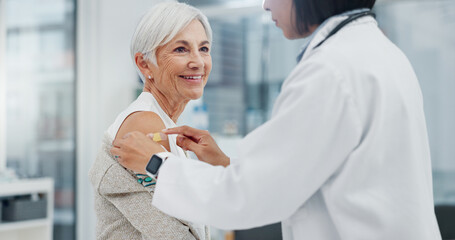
(348, 20)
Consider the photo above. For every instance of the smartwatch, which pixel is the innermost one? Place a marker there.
(156, 161)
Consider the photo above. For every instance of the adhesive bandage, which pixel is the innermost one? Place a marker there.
(157, 137)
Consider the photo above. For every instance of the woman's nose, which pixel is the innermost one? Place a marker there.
(196, 61)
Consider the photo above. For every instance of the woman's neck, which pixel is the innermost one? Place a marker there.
(172, 107)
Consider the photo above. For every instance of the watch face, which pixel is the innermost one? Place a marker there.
(154, 164)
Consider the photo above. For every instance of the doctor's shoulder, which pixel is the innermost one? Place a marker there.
(318, 65)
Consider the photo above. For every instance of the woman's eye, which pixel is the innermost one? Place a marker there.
(180, 50)
(205, 49)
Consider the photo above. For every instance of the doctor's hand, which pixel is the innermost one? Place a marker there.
(201, 143)
(134, 150)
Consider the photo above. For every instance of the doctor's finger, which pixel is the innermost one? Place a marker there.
(115, 151)
(187, 144)
(187, 131)
(117, 143)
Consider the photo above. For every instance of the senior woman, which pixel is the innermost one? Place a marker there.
(171, 50)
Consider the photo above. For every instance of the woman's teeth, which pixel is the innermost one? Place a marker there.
(192, 77)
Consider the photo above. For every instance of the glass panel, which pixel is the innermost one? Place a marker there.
(40, 98)
(251, 59)
(420, 29)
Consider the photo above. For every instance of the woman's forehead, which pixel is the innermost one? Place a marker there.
(194, 31)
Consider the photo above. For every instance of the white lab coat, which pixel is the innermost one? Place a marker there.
(345, 154)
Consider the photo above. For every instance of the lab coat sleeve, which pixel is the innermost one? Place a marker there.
(281, 164)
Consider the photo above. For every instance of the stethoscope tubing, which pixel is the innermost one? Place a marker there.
(345, 22)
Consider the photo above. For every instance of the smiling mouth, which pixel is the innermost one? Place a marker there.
(199, 77)
(192, 79)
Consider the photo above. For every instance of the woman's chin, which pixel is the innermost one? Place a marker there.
(194, 95)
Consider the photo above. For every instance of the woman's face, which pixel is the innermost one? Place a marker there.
(283, 16)
(184, 64)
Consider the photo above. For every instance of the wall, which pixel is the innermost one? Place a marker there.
(105, 85)
(2, 91)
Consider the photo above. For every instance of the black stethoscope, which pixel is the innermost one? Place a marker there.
(348, 20)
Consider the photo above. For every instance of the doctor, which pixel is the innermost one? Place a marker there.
(345, 154)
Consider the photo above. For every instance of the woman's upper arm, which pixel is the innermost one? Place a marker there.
(145, 122)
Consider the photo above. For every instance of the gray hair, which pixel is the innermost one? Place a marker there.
(160, 25)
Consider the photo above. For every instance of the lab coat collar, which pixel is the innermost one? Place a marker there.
(324, 29)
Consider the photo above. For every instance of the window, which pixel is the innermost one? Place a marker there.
(420, 29)
(39, 109)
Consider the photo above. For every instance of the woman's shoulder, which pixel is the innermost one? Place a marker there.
(143, 121)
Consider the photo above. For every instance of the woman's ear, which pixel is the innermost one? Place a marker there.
(143, 65)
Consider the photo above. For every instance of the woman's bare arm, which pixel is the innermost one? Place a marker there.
(145, 122)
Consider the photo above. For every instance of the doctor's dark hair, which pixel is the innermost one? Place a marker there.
(311, 12)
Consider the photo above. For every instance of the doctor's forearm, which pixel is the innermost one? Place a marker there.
(214, 195)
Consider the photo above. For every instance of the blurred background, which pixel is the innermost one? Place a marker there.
(66, 72)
